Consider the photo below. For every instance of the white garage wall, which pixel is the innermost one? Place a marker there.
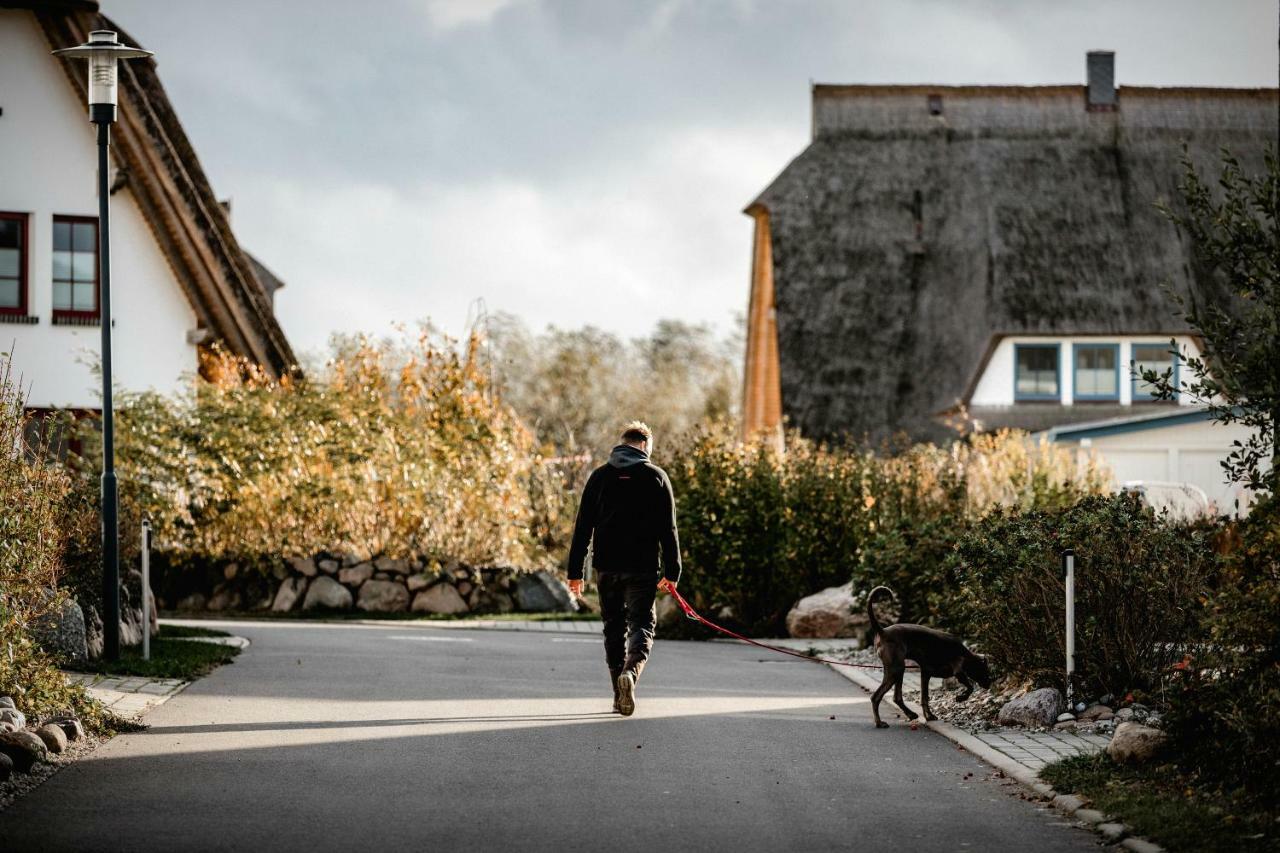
(48, 166)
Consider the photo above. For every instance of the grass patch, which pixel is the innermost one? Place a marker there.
(171, 658)
(1163, 804)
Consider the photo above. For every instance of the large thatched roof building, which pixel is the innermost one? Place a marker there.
(931, 237)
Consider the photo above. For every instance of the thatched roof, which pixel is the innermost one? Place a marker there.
(165, 177)
(1033, 215)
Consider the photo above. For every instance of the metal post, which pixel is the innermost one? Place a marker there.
(110, 495)
(146, 589)
(1069, 577)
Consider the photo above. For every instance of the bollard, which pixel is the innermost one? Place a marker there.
(146, 589)
(1069, 581)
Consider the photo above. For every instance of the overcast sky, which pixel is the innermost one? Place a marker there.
(581, 162)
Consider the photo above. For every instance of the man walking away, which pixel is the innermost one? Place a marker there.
(628, 512)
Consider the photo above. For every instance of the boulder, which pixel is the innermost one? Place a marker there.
(71, 727)
(1134, 743)
(826, 614)
(392, 565)
(327, 593)
(1094, 713)
(13, 716)
(416, 583)
(668, 611)
(6, 767)
(543, 592)
(329, 567)
(503, 603)
(63, 632)
(304, 566)
(442, 598)
(7, 702)
(289, 594)
(380, 596)
(24, 749)
(194, 601)
(230, 571)
(55, 739)
(1039, 708)
(355, 575)
(224, 598)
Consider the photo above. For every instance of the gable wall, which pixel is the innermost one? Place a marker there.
(48, 166)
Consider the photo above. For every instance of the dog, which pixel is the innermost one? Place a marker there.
(937, 653)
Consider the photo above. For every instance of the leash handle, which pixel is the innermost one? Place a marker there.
(690, 613)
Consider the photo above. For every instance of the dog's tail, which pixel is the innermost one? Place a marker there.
(876, 627)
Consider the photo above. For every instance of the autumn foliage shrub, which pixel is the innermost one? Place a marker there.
(392, 448)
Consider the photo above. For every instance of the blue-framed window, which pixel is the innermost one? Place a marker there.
(1159, 357)
(1036, 372)
(1097, 372)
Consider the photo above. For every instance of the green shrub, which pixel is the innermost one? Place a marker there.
(1139, 582)
(1224, 704)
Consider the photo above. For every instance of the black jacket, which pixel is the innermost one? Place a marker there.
(629, 510)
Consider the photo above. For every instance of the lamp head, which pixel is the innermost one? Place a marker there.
(102, 51)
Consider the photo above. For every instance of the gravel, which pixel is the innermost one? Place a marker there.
(20, 783)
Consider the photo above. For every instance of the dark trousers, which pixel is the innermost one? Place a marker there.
(626, 607)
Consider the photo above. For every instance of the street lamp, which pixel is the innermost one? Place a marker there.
(102, 51)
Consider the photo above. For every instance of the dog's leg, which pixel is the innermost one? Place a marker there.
(877, 696)
(968, 687)
(924, 696)
(897, 693)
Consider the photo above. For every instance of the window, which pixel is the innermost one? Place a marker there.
(1097, 375)
(13, 263)
(1157, 357)
(1035, 372)
(75, 266)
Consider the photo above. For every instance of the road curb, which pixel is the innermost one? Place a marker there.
(1113, 831)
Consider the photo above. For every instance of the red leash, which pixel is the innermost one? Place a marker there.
(698, 617)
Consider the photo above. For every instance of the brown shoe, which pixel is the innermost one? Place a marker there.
(626, 703)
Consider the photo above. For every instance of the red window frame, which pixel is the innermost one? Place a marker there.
(97, 271)
(24, 255)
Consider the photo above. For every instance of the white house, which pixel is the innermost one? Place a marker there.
(180, 280)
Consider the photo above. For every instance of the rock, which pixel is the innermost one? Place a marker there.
(230, 571)
(6, 767)
(392, 566)
(1113, 832)
(224, 598)
(1106, 700)
(543, 592)
(464, 588)
(356, 575)
(63, 632)
(1080, 706)
(826, 614)
(1039, 708)
(194, 601)
(1124, 715)
(329, 567)
(304, 566)
(380, 596)
(24, 749)
(1066, 726)
(7, 702)
(1134, 743)
(1090, 816)
(288, 595)
(1094, 713)
(504, 603)
(441, 598)
(327, 593)
(55, 739)
(420, 582)
(1066, 715)
(71, 727)
(279, 571)
(13, 716)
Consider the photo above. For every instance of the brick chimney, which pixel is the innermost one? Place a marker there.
(1100, 95)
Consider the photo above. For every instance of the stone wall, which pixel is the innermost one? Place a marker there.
(332, 582)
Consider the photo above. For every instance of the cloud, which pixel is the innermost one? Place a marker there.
(446, 15)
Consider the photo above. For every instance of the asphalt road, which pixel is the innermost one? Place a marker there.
(344, 737)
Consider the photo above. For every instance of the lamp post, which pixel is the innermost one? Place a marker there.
(102, 51)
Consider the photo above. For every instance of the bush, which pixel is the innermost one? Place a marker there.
(1139, 582)
(1224, 705)
(31, 540)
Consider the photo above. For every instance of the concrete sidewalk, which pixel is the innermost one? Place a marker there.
(126, 695)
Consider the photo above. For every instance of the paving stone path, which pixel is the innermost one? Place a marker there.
(128, 696)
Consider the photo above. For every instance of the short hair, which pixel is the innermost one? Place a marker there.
(637, 431)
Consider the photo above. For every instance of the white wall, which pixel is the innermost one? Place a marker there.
(48, 166)
(1181, 453)
(995, 386)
